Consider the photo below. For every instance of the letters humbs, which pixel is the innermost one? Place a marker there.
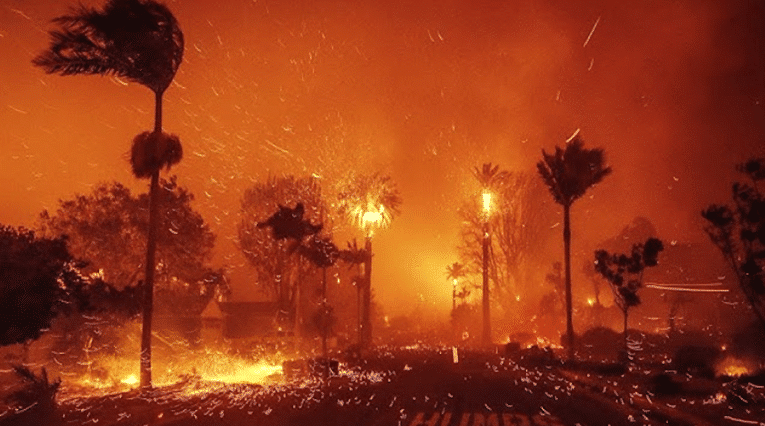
(483, 419)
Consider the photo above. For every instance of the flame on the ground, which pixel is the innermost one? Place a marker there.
(130, 380)
(543, 342)
(732, 366)
(236, 370)
(121, 373)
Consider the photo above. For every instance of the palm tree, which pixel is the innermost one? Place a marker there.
(568, 174)
(490, 177)
(369, 201)
(491, 180)
(141, 41)
(454, 272)
(356, 256)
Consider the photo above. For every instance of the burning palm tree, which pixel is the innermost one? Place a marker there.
(370, 202)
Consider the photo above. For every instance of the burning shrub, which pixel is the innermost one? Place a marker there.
(733, 366)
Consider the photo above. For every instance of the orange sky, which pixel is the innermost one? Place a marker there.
(423, 90)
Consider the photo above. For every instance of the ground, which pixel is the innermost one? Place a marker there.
(424, 386)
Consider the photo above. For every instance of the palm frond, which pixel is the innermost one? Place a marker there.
(569, 172)
(135, 39)
(360, 194)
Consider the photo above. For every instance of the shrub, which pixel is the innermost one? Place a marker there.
(37, 398)
(697, 359)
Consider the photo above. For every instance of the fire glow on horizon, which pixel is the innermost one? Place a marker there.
(272, 88)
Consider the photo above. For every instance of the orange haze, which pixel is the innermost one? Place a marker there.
(423, 90)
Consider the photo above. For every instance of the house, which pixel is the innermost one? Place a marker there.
(240, 320)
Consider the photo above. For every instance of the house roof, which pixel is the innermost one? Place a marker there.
(212, 311)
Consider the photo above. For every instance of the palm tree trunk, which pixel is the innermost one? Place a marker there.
(625, 329)
(324, 328)
(360, 338)
(486, 335)
(567, 262)
(151, 250)
(366, 322)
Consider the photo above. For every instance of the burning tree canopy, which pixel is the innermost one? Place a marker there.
(369, 200)
(520, 221)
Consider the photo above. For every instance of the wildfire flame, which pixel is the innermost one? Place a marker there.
(204, 368)
(731, 366)
(130, 380)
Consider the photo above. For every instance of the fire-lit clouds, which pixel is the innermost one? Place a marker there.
(425, 91)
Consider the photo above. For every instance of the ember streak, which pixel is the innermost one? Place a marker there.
(417, 95)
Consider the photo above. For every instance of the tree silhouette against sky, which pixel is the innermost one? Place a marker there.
(739, 233)
(624, 272)
(569, 173)
(141, 41)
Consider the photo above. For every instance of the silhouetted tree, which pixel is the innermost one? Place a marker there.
(38, 280)
(489, 178)
(322, 253)
(105, 228)
(139, 40)
(369, 201)
(288, 223)
(279, 271)
(624, 272)
(637, 231)
(739, 233)
(454, 273)
(517, 223)
(569, 173)
(356, 256)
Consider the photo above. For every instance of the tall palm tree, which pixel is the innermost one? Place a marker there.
(141, 41)
(569, 173)
(371, 202)
(491, 179)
